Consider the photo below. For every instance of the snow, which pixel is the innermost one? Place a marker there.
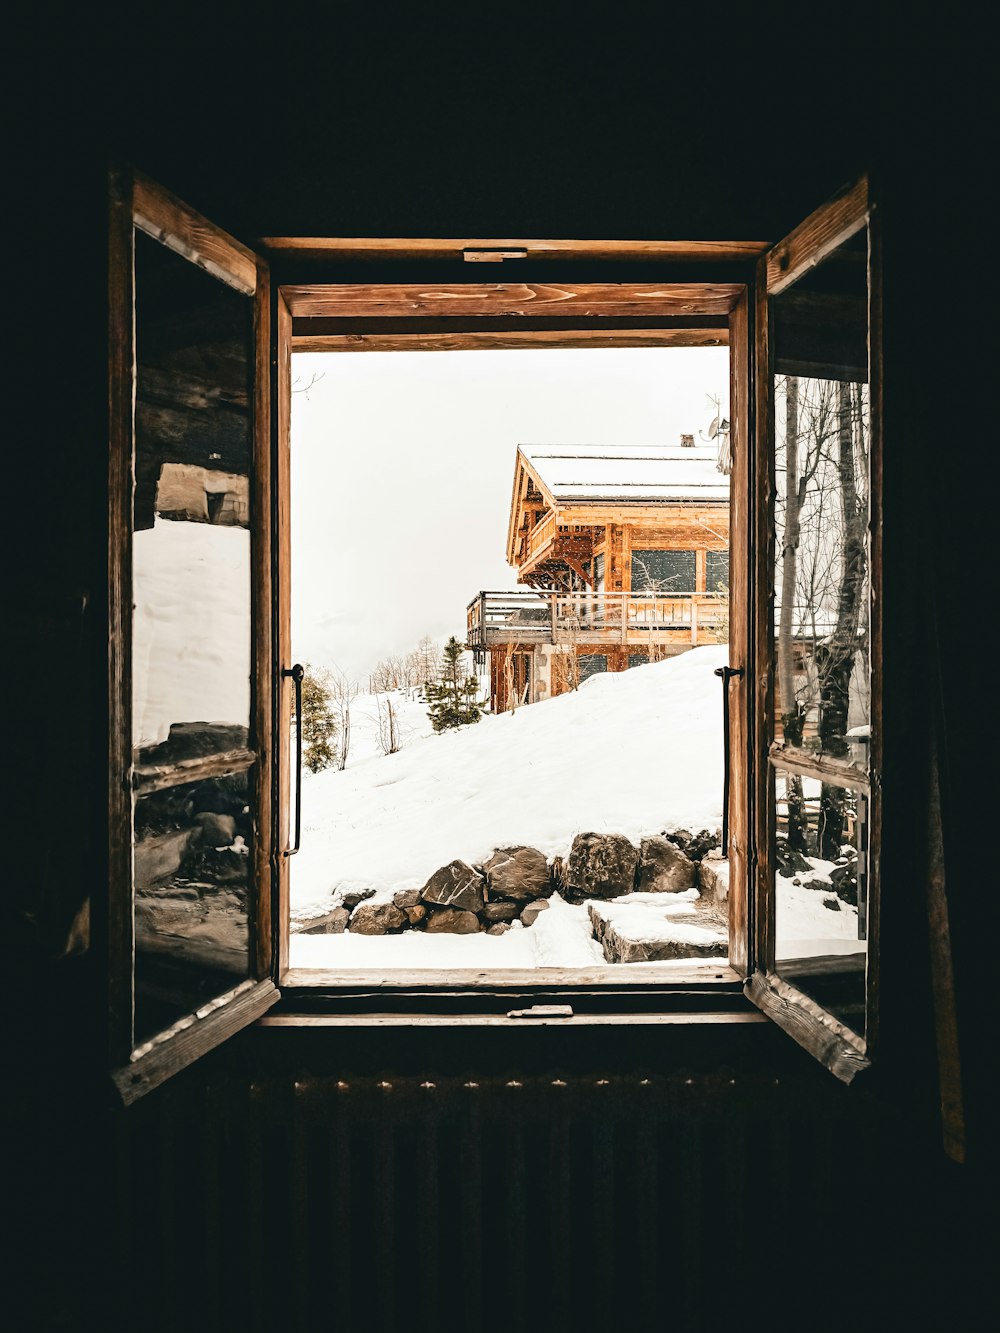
(805, 928)
(628, 472)
(635, 752)
(191, 653)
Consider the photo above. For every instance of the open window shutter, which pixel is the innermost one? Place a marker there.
(189, 930)
(815, 634)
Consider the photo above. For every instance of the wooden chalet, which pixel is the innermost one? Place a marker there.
(625, 553)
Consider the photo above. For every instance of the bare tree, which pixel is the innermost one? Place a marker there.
(343, 692)
(388, 726)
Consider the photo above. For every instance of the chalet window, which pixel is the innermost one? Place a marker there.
(664, 571)
(592, 664)
(203, 819)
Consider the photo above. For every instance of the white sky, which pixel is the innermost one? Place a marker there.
(403, 463)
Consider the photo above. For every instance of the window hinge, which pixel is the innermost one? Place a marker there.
(474, 256)
(543, 1011)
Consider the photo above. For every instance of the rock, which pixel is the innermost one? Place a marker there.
(498, 912)
(216, 830)
(642, 933)
(415, 914)
(533, 911)
(517, 872)
(406, 898)
(192, 740)
(452, 921)
(376, 918)
(664, 868)
(333, 923)
(713, 880)
(600, 865)
(160, 856)
(350, 898)
(694, 845)
(455, 885)
(501, 928)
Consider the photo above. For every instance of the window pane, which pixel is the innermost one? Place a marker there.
(717, 571)
(663, 571)
(821, 575)
(191, 633)
(821, 893)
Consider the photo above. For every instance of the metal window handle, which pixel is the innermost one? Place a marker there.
(726, 674)
(297, 673)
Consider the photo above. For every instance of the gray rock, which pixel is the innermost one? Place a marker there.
(633, 941)
(216, 830)
(377, 918)
(501, 912)
(533, 911)
(350, 898)
(664, 868)
(452, 921)
(517, 872)
(713, 880)
(333, 923)
(500, 928)
(159, 856)
(406, 897)
(455, 885)
(600, 865)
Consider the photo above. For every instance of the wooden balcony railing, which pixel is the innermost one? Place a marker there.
(627, 618)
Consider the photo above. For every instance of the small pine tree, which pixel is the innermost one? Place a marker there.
(453, 699)
(319, 725)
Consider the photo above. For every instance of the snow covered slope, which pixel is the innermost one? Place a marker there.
(634, 752)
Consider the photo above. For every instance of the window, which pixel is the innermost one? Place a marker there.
(203, 820)
(664, 571)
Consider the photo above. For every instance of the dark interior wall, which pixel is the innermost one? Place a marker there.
(536, 125)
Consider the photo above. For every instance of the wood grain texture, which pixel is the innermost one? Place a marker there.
(513, 340)
(148, 778)
(169, 220)
(669, 976)
(118, 927)
(876, 630)
(200, 1032)
(282, 594)
(571, 301)
(817, 236)
(833, 1044)
(367, 248)
(740, 556)
(383, 1020)
(261, 552)
(822, 767)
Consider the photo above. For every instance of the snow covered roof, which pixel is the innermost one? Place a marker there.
(628, 474)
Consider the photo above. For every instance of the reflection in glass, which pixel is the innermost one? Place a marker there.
(191, 635)
(821, 900)
(192, 846)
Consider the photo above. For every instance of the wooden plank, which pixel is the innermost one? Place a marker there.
(822, 767)
(571, 300)
(680, 974)
(389, 1020)
(175, 1048)
(876, 630)
(261, 923)
(118, 927)
(282, 602)
(740, 557)
(512, 340)
(818, 236)
(834, 1045)
(148, 778)
(169, 220)
(366, 248)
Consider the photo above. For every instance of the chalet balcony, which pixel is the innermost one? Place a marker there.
(632, 619)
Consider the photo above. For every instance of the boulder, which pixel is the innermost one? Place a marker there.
(455, 885)
(350, 898)
(452, 921)
(500, 928)
(640, 933)
(377, 918)
(333, 923)
(495, 912)
(533, 911)
(664, 868)
(159, 856)
(713, 880)
(517, 872)
(216, 830)
(415, 914)
(600, 865)
(406, 898)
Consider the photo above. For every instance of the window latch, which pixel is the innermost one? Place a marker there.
(543, 1011)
